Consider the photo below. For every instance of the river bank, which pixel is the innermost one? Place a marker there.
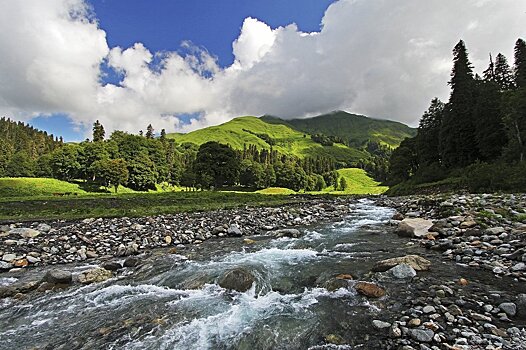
(325, 262)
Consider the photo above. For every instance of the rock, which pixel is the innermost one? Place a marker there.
(395, 331)
(335, 283)
(234, 231)
(287, 232)
(397, 217)
(381, 324)
(25, 232)
(56, 276)
(468, 224)
(422, 335)
(509, 308)
(463, 282)
(402, 271)
(428, 309)
(334, 339)
(414, 227)
(33, 259)
(370, 290)
(94, 276)
(238, 279)
(5, 265)
(8, 257)
(519, 267)
(21, 263)
(344, 276)
(43, 228)
(248, 241)
(168, 239)
(416, 262)
(414, 322)
(111, 265)
(131, 262)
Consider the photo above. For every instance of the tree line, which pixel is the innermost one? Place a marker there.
(480, 130)
(143, 161)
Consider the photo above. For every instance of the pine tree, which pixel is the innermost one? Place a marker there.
(149, 132)
(163, 136)
(503, 76)
(457, 133)
(428, 137)
(98, 132)
(520, 63)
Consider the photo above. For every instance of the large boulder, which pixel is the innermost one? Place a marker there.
(56, 276)
(416, 262)
(238, 279)
(370, 290)
(24, 232)
(399, 272)
(414, 227)
(94, 276)
(234, 231)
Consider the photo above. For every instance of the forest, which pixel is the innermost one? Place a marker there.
(477, 140)
(140, 162)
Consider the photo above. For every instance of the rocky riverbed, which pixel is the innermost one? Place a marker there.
(435, 272)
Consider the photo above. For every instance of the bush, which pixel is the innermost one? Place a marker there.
(483, 177)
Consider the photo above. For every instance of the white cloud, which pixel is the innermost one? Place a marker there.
(380, 58)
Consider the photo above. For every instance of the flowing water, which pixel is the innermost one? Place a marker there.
(173, 301)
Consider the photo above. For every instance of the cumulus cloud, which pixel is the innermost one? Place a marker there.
(384, 59)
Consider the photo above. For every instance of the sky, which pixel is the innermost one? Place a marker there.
(184, 65)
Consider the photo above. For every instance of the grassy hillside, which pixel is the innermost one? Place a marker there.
(28, 187)
(358, 182)
(356, 129)
(244, 130)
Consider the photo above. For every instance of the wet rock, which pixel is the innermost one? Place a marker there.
(94, 276)
(414, 227)
(238, 279)
(43, 227)
(111, 265)
(131, 262)
(56, 276)
(289, 232)
(5, 265)
(334, 284)
(370, 290)
(334, 339)
(416, 262)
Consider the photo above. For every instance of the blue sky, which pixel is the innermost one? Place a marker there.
(163, 24)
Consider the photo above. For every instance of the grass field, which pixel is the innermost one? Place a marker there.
(358, 182)
(131, 205)
(35, 187)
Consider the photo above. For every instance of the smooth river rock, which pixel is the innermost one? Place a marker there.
(414, 227)
(238, 279)
(416, 262)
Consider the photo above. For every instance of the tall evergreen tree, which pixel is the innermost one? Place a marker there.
(457, 134)
(163, 135)
(520, 63)
(503, 76)
(428, 137)
(98, 132)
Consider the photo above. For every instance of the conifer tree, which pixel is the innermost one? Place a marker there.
(163, 135)
(98, 132)
(520, 63)
(428, 137)
(503, 76)
(457, 134)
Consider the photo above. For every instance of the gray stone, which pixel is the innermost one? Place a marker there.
(25, 232)
(519, 267)
(428, 309)
(234, 231)
(8, 257)
(288, 232)
(5, 265)
(416, 262)
(43, 227)
(422, 335)
(402, 271)
(414, 227)
(238, 279)
(381, 324)
(94, 276)
(56, 276)
(509, 308)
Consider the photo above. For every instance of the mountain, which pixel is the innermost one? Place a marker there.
(294, 137)
(355, 129)
(282, 138)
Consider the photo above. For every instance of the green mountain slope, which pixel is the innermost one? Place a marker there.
(355, 129)
(284, 139)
